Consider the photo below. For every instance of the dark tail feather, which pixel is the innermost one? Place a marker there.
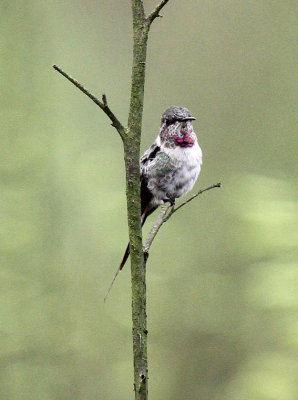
(112, 283)
(127, 252)
(125, 257)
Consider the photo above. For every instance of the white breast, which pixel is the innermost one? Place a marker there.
(188, 161)
(187, 166)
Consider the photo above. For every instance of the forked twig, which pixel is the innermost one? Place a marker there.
(155, 13)
(103, 105)
(166, 213)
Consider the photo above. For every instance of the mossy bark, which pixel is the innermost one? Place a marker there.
(132, 154)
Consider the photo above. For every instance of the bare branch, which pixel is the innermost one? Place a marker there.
(157, 225)
(165, 215)
(217, 185)
(155, 13)
(103, 105)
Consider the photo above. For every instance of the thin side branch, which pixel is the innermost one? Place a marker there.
(103, 105)
(157, 225)
(217, 185)
(155, 13)
(165, 215)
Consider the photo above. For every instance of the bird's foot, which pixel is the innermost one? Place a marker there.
(170, 199)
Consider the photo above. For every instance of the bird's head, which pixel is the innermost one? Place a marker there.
(176, 128)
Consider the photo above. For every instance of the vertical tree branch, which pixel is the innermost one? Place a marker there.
(141, 26)
(132, 155)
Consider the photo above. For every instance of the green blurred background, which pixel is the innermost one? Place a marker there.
(222, 274)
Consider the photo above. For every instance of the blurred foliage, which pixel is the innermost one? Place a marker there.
(222, 275)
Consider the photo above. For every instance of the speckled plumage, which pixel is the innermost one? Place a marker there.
(171, 166)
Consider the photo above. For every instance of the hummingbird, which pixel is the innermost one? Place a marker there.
(170, 167)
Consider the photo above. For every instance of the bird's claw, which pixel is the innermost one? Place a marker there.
(171, 200)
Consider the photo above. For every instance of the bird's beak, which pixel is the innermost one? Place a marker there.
(189, 119)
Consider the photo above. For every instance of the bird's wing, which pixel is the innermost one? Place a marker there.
(146, 196)
(149, 155)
